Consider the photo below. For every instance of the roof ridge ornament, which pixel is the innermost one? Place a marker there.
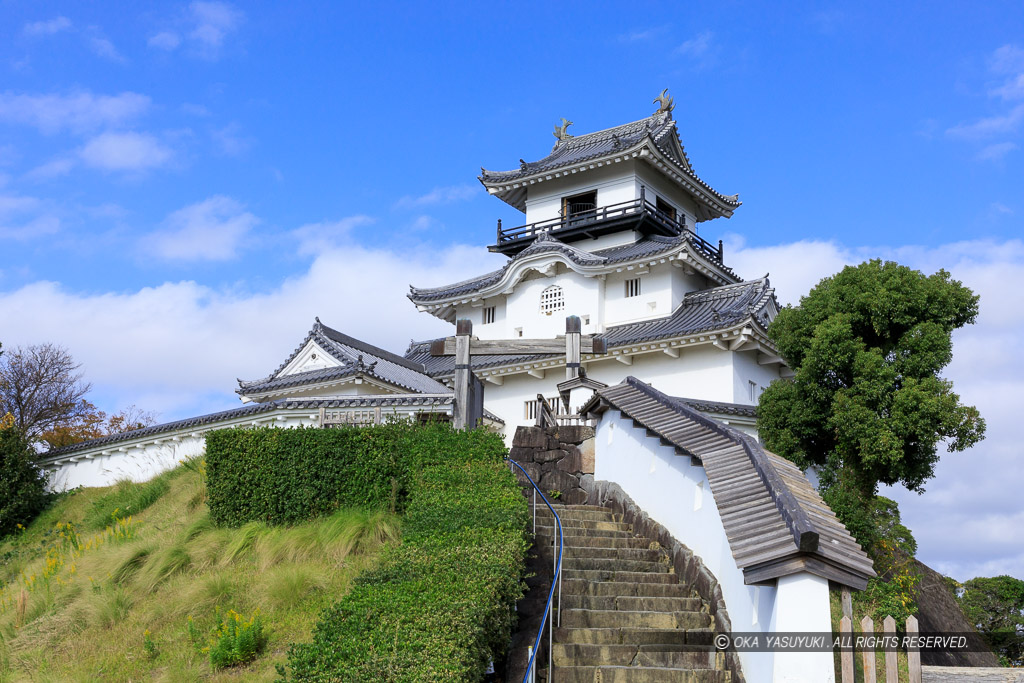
(666, 103)
(560, 131)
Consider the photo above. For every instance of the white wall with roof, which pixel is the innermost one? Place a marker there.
(614, 184)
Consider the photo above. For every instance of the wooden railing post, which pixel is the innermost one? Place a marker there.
(846, 653)
(892, 671)
(913, 654)
(463, 331)
(867, 627)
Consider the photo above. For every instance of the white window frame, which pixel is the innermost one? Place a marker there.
(552, 300)
(632, 287)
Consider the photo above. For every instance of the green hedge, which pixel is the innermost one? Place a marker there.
(285, 476)
(439, 606)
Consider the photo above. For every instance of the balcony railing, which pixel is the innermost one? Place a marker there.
(577, 220)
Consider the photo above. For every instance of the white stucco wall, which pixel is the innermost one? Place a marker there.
(676, 494)
(656, 185)
(614, 184)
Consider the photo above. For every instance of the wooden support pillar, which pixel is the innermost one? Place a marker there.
(572, 347)
(463, 374)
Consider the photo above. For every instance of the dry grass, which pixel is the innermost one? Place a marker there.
(75, 601)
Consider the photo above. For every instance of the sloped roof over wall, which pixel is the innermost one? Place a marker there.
(356, 358)
(654, 139)
(775, 521)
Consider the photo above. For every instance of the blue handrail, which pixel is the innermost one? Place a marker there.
(555, 580)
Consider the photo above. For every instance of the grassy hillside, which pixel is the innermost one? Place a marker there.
(102, 585)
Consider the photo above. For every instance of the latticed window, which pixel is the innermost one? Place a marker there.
(488, 315)
(551, 300)
(633, 287)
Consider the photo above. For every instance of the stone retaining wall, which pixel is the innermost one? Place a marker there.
(556, 458)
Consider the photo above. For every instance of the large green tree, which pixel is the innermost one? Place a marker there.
(996, 608)
(867, 404)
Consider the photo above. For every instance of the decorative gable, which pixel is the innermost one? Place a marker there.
(311, 357)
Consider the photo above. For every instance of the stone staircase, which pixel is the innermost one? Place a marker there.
(625, 618)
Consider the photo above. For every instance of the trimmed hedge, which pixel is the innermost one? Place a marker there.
(285, 476)
(439, 606)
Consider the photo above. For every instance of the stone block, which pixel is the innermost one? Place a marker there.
(574, 497)
(521, 454)
(587, 457)
(571, 462)
(558, 481)
(532, 468)
(705, 583)
(530, 437)
(548, 456)
(575, 434)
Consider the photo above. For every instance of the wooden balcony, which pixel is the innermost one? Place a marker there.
(588, 222)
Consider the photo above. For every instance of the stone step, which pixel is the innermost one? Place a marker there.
(582, 586)
(668, 656)
(609, 541)
(587, 618)
(588, 515)
(633, 636)
(630, 603)
(636, 674)
(614, 564)
(578, 551)
(618, 576)
(597, 508)
(576, 531)
(602, 524)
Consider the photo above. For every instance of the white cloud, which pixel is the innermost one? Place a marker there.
(77, 112)
(989, 126)
(211, 230)
(164, 40)
(229, 140)
(1008, 59)
(125, 152)
(183, 344)
(47, 28)
(440, 195)
(51, 169)
(213, 22)
(40, 226)
(1013, 89)
(642, 35)
(102, 47)
(316, 238)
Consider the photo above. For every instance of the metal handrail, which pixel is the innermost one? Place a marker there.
(556, 579)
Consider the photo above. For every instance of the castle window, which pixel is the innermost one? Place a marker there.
(551, 300)
(580, 204)
(633, 287)
(488, 315)
(666, 208)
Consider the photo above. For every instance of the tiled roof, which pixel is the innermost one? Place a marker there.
(775, 521)
(720, 407)
(660, 129)
(356, 358)
(651, 245)
(702, 311)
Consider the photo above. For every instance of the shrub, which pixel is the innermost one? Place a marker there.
(22, 484)
(236, 640)
(285, 476)
(438, 606)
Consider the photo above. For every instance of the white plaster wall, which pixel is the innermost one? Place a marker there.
(654, 301)
(676, 494)
(614, 184)
(802, 606)
(657, 185)
(747, 370)
(580, 293)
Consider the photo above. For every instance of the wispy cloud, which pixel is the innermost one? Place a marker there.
(77, 112)
(24, 218)
(102, 47)
(230, 141)
(204, 30)
(642, 35)
(698, 46)
(211, 230)
(317, 238)
(125, 152)
(51, 169)
(997, 151)
(1000, 124)
(439, 195)
(1013, 89)
(47, 28)
(1008, 59)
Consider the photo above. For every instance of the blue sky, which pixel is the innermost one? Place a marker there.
(183, 186)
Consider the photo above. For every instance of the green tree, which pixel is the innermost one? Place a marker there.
(996, 608)
(867, 403)
(22, 484)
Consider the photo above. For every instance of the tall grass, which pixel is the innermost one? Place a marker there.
(92, 595)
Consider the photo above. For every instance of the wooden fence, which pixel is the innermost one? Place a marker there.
(891, 672)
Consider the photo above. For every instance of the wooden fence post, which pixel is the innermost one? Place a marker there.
(867, 627)
(913, 653)
(846, 653)
(463, 330)
(847, 601)
(892, 671)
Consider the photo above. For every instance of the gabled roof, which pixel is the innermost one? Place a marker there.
(775, 521)
(356, 358)
(653, 139)
(707, 310)
(506, 276)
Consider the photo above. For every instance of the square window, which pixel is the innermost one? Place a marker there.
(488, 315)
(633, 287)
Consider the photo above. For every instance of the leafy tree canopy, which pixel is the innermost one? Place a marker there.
(996, 608)
(867, 346)
(22, 485)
